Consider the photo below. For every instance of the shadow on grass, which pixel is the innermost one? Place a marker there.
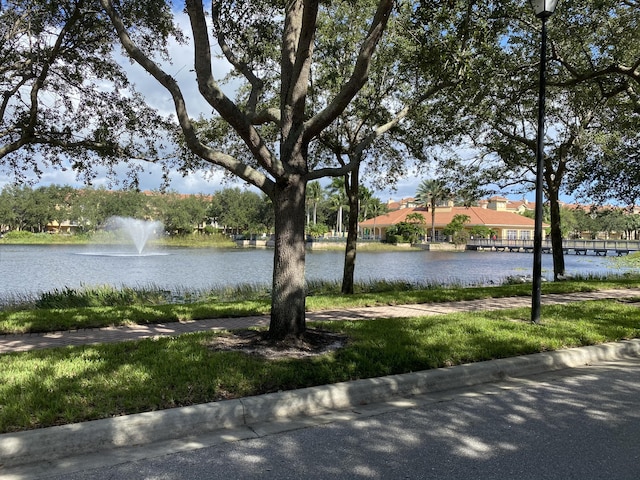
(58, 386)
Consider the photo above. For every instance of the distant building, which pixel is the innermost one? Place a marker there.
(64, 227)
(408, 202)
(496, 213)
(503, 204)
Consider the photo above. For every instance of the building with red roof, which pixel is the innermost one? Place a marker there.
(492, 214)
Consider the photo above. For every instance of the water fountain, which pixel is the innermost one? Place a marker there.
(137, 230)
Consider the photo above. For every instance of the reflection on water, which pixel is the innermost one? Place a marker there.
(30, 269)
(121, 254)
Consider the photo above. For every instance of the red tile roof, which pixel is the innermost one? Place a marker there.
(478, 216)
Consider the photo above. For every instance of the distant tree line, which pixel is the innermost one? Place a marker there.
(602, 222)
(232, 211)
(592, 223)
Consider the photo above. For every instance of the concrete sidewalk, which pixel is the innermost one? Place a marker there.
(21, 343)
(246, 417)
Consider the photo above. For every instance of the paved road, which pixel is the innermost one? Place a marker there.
(579, 423)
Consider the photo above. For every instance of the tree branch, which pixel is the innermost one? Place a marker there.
(359, 75)
(37, 85)
(257, 84)
(300, 27)
(331, 172)
(217, 99)
(577, 77)
(530, 144)
(228, 162)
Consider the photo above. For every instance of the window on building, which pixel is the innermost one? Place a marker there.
(512, 234)
(525, 235)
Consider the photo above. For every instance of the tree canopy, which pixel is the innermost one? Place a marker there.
(66, 102)
(591, 115)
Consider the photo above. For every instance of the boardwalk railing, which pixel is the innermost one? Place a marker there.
(599, 247)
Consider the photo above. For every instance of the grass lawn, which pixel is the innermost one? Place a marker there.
(99, 308)
(64, 385)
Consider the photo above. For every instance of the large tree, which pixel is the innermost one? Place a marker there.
(265, 42)
(581, 117)
(398, 116)
(575, 118)
(609, 59)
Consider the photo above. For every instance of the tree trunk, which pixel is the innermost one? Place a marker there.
(433, 221)
(288, 295)
(556, 235)
(351, 183)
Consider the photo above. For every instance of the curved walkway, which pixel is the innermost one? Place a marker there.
(33, 341)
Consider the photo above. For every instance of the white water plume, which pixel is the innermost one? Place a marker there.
(139, 231)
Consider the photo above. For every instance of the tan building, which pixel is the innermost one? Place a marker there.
(65, 227)
(503, 204)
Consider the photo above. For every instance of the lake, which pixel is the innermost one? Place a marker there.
(27, 269)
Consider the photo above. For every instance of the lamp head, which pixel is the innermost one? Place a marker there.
(543, 8)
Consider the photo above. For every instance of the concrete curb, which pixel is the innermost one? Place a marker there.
(145, 428)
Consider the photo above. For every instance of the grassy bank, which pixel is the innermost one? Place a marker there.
(68, 309)
(65, 385)
(184, 241)
(108, 238)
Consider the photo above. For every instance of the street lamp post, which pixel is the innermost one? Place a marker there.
(543, 9)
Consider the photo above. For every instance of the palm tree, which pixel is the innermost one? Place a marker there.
(429, 193)
(338, 199)
(314, 196)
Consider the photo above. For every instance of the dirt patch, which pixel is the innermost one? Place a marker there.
(314, 342)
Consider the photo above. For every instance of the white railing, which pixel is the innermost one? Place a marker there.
(594, 245)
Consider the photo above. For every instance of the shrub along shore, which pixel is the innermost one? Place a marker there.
(108, 238)
(185, 241)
